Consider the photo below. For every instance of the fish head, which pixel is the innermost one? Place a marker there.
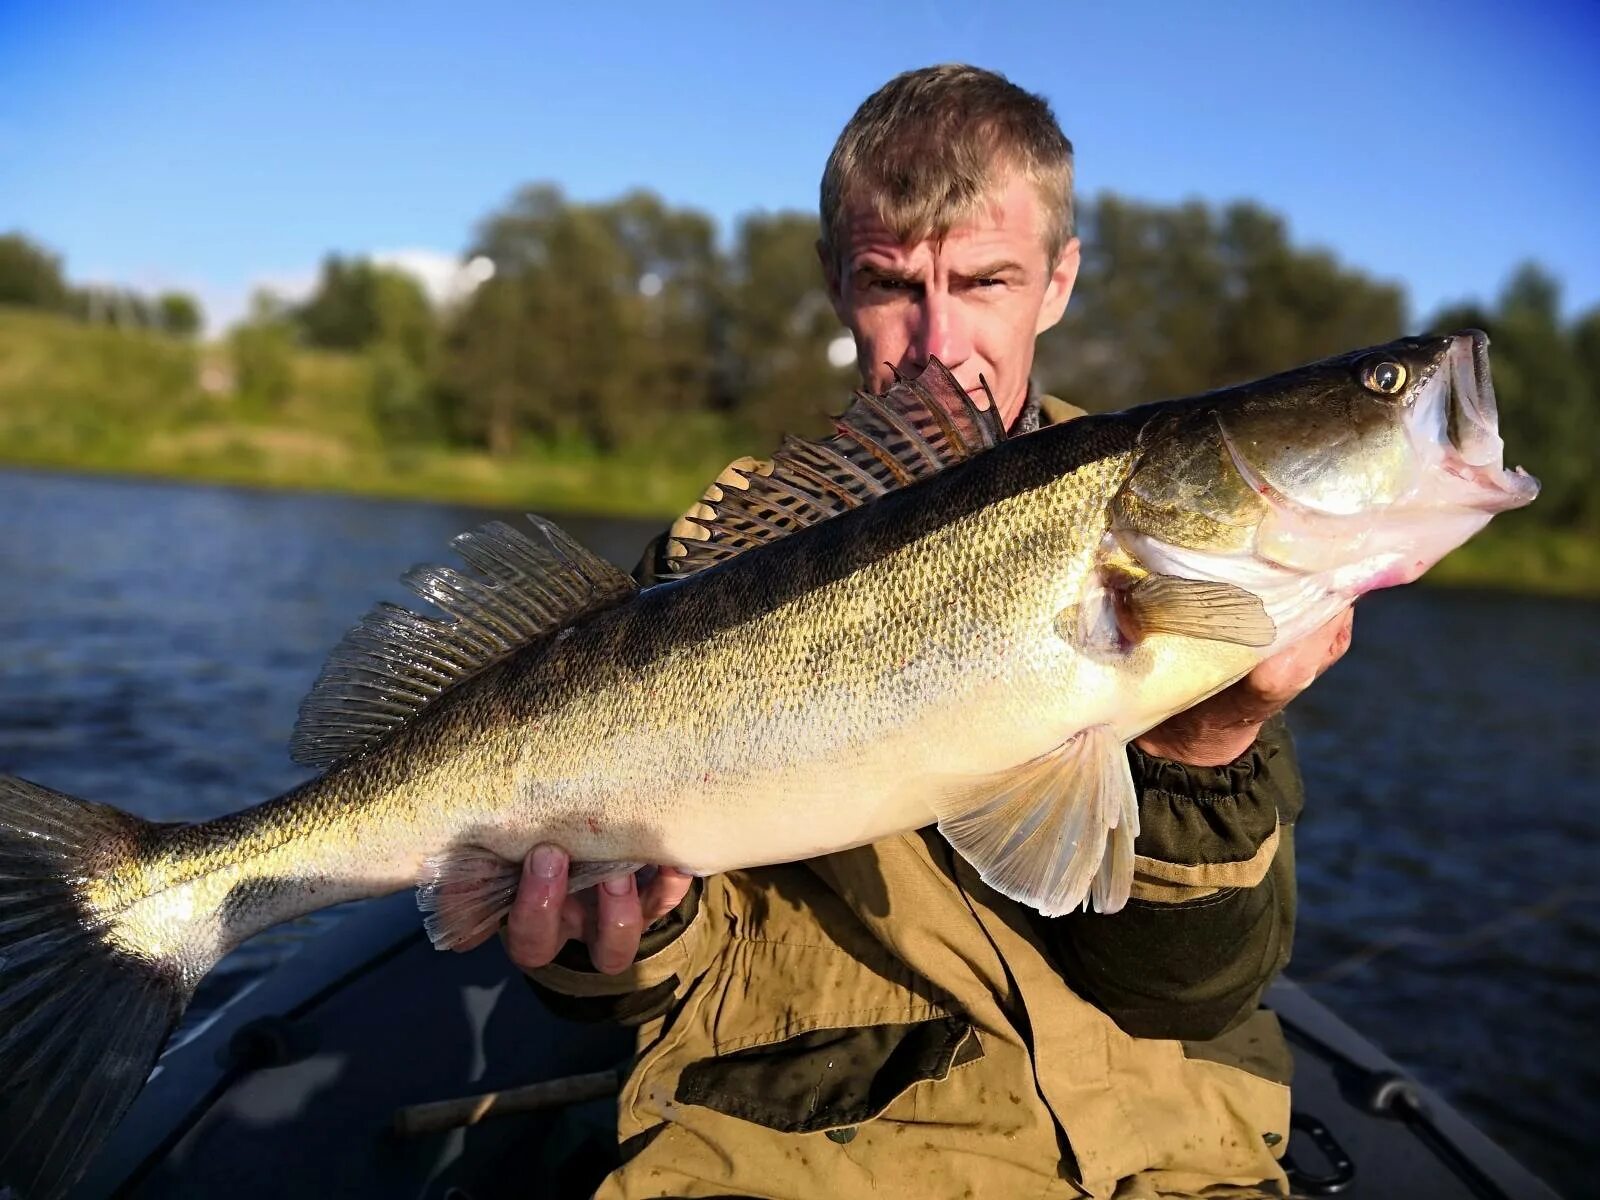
(1361, 470)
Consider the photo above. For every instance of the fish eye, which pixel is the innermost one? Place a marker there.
(1384, 376)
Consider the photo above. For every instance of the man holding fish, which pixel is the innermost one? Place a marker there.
(913, 693)
(880, 1021)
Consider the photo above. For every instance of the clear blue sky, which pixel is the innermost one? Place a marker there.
(211, 146)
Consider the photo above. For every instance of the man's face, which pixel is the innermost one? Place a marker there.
(975, 299)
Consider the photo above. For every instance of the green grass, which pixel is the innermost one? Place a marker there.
(93, 399)
(102, 400)
(1518, 555)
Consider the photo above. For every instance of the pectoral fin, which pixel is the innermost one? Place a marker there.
(1218, 612)
(1056, 832)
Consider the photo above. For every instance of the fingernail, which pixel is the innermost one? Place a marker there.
(545, 862)
(620, 886)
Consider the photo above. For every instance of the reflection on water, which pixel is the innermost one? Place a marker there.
(155, 641)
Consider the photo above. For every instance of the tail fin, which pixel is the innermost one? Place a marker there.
(82, 1016)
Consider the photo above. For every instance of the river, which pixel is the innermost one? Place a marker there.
(156, 639)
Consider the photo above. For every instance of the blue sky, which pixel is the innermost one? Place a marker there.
(216, 146)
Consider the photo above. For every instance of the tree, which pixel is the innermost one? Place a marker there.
(1176, 300)
(106, 304)
(488, 377)
(179, 314)
(400, 397)
(669, 303)
(30, 276)
(597, 324)
(780, 324)
(1547, 388)
(357, 304)
(263, 354)
(341, 313)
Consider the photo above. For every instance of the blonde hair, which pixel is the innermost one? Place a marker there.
(926, 150)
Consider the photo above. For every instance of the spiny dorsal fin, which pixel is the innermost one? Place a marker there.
(395, 662)
(916, 429)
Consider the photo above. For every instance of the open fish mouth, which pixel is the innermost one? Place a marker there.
(1469, 428)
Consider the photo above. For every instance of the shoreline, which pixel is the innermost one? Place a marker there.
(1524, 560)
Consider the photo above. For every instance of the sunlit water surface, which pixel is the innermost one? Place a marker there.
(155, 641)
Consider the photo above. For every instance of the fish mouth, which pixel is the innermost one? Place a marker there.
(1474, 451)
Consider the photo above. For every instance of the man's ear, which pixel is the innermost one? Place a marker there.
(830, 275)
(1059, 289)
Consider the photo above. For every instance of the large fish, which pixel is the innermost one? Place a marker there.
(912, 622)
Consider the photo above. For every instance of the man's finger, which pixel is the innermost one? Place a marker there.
(618, 922)
(1279, 679)
(534, 927)
(665, 892)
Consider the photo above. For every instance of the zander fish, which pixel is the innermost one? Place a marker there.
(915, 621)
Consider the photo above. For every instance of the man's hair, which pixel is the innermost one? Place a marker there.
(926, 150)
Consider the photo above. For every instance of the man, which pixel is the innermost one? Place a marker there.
(879, 1022)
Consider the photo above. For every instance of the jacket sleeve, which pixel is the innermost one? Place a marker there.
(1211, 918)
(673, 952)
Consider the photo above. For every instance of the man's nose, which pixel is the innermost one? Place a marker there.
(943, 332)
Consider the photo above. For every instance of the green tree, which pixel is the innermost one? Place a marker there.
(341, 313)
(597, 325)
(383, 312)
(1178, 299)
(262, 349)
(489, 378)
(30, 276)
(779, 327)
(357, 304)
(669, 298)
(405, 319)
(1547, 388)
(179, 314)
(105, 304)
(400, 396)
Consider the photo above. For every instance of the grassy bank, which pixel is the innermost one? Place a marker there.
(103, 400)
(94, 399)
(1518, 555)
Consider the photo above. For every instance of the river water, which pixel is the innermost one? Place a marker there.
(156, 639)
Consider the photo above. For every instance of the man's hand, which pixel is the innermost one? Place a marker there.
(610, 917)
(1217, 731)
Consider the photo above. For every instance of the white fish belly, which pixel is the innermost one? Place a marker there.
(889, 785)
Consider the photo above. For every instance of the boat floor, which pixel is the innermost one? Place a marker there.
(291, 1089)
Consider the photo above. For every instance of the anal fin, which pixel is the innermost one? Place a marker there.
(467, 891)
(1056, 832)
(464, 894)
(582, 875)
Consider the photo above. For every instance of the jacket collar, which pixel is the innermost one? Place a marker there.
(1028, 419)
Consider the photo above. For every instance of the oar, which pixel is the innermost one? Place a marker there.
(436, 1116)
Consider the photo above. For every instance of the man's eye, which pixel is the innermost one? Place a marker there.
(989, 282)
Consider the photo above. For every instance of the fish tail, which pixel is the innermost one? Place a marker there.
(84, 1011)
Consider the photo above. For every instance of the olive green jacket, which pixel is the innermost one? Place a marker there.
(880, 1023)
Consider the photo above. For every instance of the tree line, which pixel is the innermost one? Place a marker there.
(31, 277)
(625, 323)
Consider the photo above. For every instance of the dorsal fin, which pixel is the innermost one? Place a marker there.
(915, 429)
(395, 662)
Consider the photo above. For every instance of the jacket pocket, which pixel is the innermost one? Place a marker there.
(827, 1078)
